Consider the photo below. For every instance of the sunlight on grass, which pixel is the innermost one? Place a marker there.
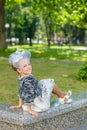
(53, 53)
(64, 75)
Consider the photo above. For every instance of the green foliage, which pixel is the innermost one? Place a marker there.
(9, 2)
(21, 19)
(82, 74)
(67, 11)
(55, 15)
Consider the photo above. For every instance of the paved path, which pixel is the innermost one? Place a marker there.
(81, 127)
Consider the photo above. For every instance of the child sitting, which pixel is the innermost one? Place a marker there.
(34, 95)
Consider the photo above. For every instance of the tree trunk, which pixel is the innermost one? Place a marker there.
(30, 41)
(2, 29)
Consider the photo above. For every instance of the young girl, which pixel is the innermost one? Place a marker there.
(34, 95)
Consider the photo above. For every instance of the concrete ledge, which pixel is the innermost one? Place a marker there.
(58, 117)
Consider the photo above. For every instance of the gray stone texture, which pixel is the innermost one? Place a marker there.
(58, 117)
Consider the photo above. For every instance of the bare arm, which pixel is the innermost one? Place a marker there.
(19, 105)
(34, 113)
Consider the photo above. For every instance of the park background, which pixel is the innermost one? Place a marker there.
(54, 31)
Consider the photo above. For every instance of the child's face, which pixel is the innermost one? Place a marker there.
(24, 67)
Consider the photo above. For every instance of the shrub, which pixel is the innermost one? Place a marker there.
(82, 74)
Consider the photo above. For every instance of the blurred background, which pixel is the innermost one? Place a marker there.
(58, 22)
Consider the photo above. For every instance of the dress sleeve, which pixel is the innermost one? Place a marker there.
(28, 92)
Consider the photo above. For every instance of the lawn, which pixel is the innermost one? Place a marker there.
(42, 51)
(46, 63)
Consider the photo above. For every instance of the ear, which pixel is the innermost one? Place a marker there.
(19, 70)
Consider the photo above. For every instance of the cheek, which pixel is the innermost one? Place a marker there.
(30, 67)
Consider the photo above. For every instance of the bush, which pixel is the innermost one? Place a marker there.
(82, 74)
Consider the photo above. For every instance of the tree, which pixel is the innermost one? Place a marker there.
(22, 21)
(67, 12)
(2, 35)
(62, 12)
(30, 24)
(2, 21)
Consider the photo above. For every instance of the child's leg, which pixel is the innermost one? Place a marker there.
(58, 92)
(63, 96)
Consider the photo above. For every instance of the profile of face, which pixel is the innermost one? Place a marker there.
(24, 67)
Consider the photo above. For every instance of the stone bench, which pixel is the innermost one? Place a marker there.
(58, 117)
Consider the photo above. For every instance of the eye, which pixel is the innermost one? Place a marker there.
(27, 65)
(24, 65)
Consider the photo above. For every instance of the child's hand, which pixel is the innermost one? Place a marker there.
(15, 107)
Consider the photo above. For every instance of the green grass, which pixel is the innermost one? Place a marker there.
(62, 71)
(53, 53)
